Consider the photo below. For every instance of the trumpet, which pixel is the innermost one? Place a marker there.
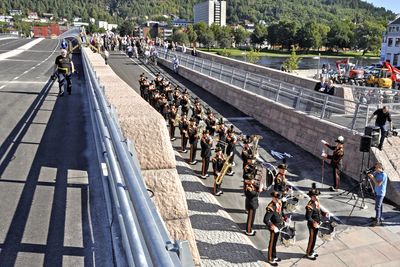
(177, 120)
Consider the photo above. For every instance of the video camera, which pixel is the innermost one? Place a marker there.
(369, 170)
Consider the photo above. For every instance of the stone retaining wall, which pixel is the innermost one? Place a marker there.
(148, 129)
(298, 127)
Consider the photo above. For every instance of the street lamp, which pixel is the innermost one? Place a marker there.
(319, 62)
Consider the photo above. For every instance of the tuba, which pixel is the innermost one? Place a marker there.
(224, 170)
(255, 138)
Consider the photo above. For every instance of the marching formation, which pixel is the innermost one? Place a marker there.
(196, 123)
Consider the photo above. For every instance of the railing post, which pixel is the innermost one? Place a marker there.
(233, 73)
(298, 98)
(366, 116)
(201, 68)
(220, 71)
(278, 92)
(245, 80)
(211, 68)
(194, 63)
(353, 122)
(324, 107)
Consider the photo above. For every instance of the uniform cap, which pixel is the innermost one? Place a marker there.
(313, 192)
(275, 194)
(282, 166)
(340, 140)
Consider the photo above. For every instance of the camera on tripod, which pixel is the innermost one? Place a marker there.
(369, 170)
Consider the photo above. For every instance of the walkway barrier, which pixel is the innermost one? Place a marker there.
(352, 114)
(144, 236)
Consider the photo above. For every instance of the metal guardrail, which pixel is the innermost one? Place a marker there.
(350, 114)
(144, 235)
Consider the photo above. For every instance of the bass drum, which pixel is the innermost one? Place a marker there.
(327, 230)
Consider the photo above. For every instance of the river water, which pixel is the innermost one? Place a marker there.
(307, 62)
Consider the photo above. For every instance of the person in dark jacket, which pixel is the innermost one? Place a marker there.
(336, 160)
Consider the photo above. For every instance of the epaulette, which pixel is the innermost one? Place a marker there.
(270, 206)
(309, 205)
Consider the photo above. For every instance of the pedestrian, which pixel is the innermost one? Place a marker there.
(63, 69)
(382, 116)
(274, 221)
(106, 56)
(336, 160)
(379, 177)
(313, 216)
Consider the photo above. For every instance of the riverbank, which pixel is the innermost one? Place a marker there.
(234, 52)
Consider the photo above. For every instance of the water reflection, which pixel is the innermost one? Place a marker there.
(307, 62)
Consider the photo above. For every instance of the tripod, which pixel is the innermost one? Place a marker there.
(361, 187)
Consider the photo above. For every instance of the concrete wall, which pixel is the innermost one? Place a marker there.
(148, 129)
(298, 127)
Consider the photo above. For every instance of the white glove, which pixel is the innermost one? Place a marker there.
(324, 142)
(284, 199)
(276, 230)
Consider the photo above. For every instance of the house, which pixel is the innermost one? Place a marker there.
(33, 16)
(15, 12)
(390, 49)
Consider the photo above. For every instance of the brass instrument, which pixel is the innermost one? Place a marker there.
(202, 126)
(224, 170)
(177, 120)
(254, 144)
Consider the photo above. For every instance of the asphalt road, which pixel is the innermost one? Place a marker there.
(52, 209)
(304, 168)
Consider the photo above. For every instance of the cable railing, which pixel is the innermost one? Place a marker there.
(352, 114)
(144, 236)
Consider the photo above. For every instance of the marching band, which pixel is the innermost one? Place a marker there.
(257, 176)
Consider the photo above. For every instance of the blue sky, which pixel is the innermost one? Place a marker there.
(393, 5)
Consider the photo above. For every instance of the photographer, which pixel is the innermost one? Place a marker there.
(382, 115)
(379, 177)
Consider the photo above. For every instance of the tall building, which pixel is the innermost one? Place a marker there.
(211, 11)
(390, 49)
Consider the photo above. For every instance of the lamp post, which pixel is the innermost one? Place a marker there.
(319, 62)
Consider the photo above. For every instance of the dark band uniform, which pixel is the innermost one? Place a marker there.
(193, 140)
(313, 217)
(273, 218)
(336, 162)
(205, 143)
(251, 191)
(217, 162)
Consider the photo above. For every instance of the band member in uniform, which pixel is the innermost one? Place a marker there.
(172, 121)
(280, 183)
(185, 102)
(231, 140)
(274, 221)
(211, 122)
(221, 132)
(158, 80)
(217, 162)
(184, 128)
(198, 112)
(336, 161)
(177, 96)
(193, 139)
(313, 217)
(152, 94)
(146, 92)
(246, 152)
(205, 143)
(251, 191)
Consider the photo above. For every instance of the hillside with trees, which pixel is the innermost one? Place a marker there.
(305, 24)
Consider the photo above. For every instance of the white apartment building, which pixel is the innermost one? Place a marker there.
(211, 11)
(390, 49)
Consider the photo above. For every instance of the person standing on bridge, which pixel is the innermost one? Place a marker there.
(382, 116)
(206, 144)
(379, 177)
(64, 68)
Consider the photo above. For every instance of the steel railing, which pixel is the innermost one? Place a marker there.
(144, 235)
(352, 114)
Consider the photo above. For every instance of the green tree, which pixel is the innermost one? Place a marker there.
(369, 38)
(240, 35)
(126, 28)
(180, 37)
(259, 35)
(340, 35)
(292, 62)
(253, 56)
(207, 39)
(312, 35)
(192, 35)
(288, 33)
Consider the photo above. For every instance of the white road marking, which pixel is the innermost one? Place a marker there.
(1, 87)
(20, 49)
(16, 78)
(16, 82)
(139, 65)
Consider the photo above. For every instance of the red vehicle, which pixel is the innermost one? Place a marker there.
(394, 73)
(348, 73)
